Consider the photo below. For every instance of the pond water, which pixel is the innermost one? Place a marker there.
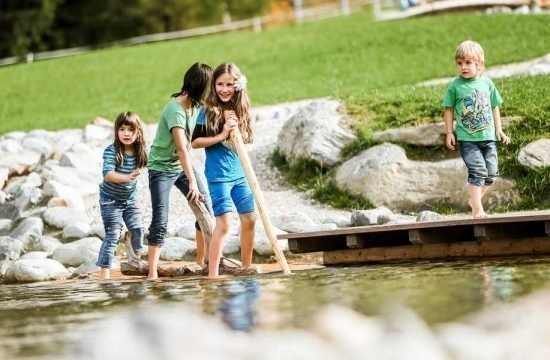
(43, 320)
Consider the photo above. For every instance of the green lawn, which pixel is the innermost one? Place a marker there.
(371, 66)
(342, 57)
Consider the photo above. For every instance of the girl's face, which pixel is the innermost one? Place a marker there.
(225, 87)
(468, 68)
(127, 135)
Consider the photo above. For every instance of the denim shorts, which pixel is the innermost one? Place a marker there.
(225, 194)
(481, 160)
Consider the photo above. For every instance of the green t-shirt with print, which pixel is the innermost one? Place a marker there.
(473, 101)
(163, 156)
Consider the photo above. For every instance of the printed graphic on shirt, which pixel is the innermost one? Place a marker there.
(476, 112)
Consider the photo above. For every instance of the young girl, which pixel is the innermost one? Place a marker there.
(117, 193)
(227, 107)
(170, 161)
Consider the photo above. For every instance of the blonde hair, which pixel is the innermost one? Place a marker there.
(240, 103)
(470, 49)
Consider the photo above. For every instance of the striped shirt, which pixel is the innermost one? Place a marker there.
(117, 191)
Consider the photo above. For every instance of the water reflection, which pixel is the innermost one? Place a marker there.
(43, 319)
(238, 304)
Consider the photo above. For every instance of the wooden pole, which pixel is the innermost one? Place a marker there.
(237, 139)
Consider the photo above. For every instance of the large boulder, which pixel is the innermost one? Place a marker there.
(178, 249)
(314, 133)
(384, 175)
(33, 270)
(535, 154)
(63, 216)
(78, 252)
(10, 249)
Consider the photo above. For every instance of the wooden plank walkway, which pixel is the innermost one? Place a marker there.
(503, 235)
(444, 6)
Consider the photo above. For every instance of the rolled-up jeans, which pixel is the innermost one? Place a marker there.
(160, 184)
(481, 159)
(114, 213)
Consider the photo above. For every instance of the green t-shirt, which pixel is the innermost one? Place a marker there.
(163, 156)
(473, 101)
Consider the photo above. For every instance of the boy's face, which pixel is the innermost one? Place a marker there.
(468, 67)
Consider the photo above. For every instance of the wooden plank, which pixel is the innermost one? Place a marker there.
(393, 238)
(491, 232)
(506, 218)
(507, 247)
(299, 246)
(443, 234)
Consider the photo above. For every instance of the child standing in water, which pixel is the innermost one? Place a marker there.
(473, 101)
(122, 161)
(170, 161)
(227, 108)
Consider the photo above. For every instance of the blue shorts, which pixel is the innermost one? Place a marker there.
(225, 194)
(481, 159)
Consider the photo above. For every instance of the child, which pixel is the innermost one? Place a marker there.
(169, 155)
(473, 101)
(117, 193)
(227, 107)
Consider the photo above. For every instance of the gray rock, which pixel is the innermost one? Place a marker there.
(426, 216)
(32, 226)
(76, 230)
(4, 175)
(187, 231)
(47, 244)
(535, 154)
(97, 133)
(24, 271)
(34, 255)
(5, 226)
(63, 216)
(314, 133)
(10, 249)
(78, 252)
(369, 217)
(385, 176)
(38, 145)
(89, 267)
(178, 249)
(4, 266)
(425, 135)
(262, 245)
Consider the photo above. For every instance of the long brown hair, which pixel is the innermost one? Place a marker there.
(132, 120)
(240, 103)
(195, 83)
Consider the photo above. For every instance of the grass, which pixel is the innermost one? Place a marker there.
(371, 66)
(340, 57)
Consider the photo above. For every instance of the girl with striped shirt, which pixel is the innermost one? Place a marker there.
(122, 161)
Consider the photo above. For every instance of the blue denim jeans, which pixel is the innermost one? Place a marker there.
(114, 213)
(160, 184)
(481, 160)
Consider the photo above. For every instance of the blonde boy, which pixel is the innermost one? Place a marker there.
(472, 100)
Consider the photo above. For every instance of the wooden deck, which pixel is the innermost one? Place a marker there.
(444, 6)
(503, 235)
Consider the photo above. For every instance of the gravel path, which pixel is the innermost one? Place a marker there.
(279, 196)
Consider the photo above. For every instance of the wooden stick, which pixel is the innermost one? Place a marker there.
(237, 139)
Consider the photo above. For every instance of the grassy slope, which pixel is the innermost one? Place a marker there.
(371, 66)
(340, 57)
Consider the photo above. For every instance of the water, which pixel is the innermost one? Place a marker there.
(44, 320)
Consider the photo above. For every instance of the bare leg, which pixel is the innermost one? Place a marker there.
(216, 244)
(201, 248)
(105, 274)
(153, 254)
(475, 201)
(248, 222)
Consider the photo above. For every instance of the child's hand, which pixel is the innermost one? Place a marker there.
(451, 141)
(194, 195)
(230, 123)
(503, 137)
(134, 175)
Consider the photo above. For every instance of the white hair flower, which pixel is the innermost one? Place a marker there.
(240, 83)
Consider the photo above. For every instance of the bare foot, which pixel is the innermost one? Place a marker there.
(480, 215)
(152, 278)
